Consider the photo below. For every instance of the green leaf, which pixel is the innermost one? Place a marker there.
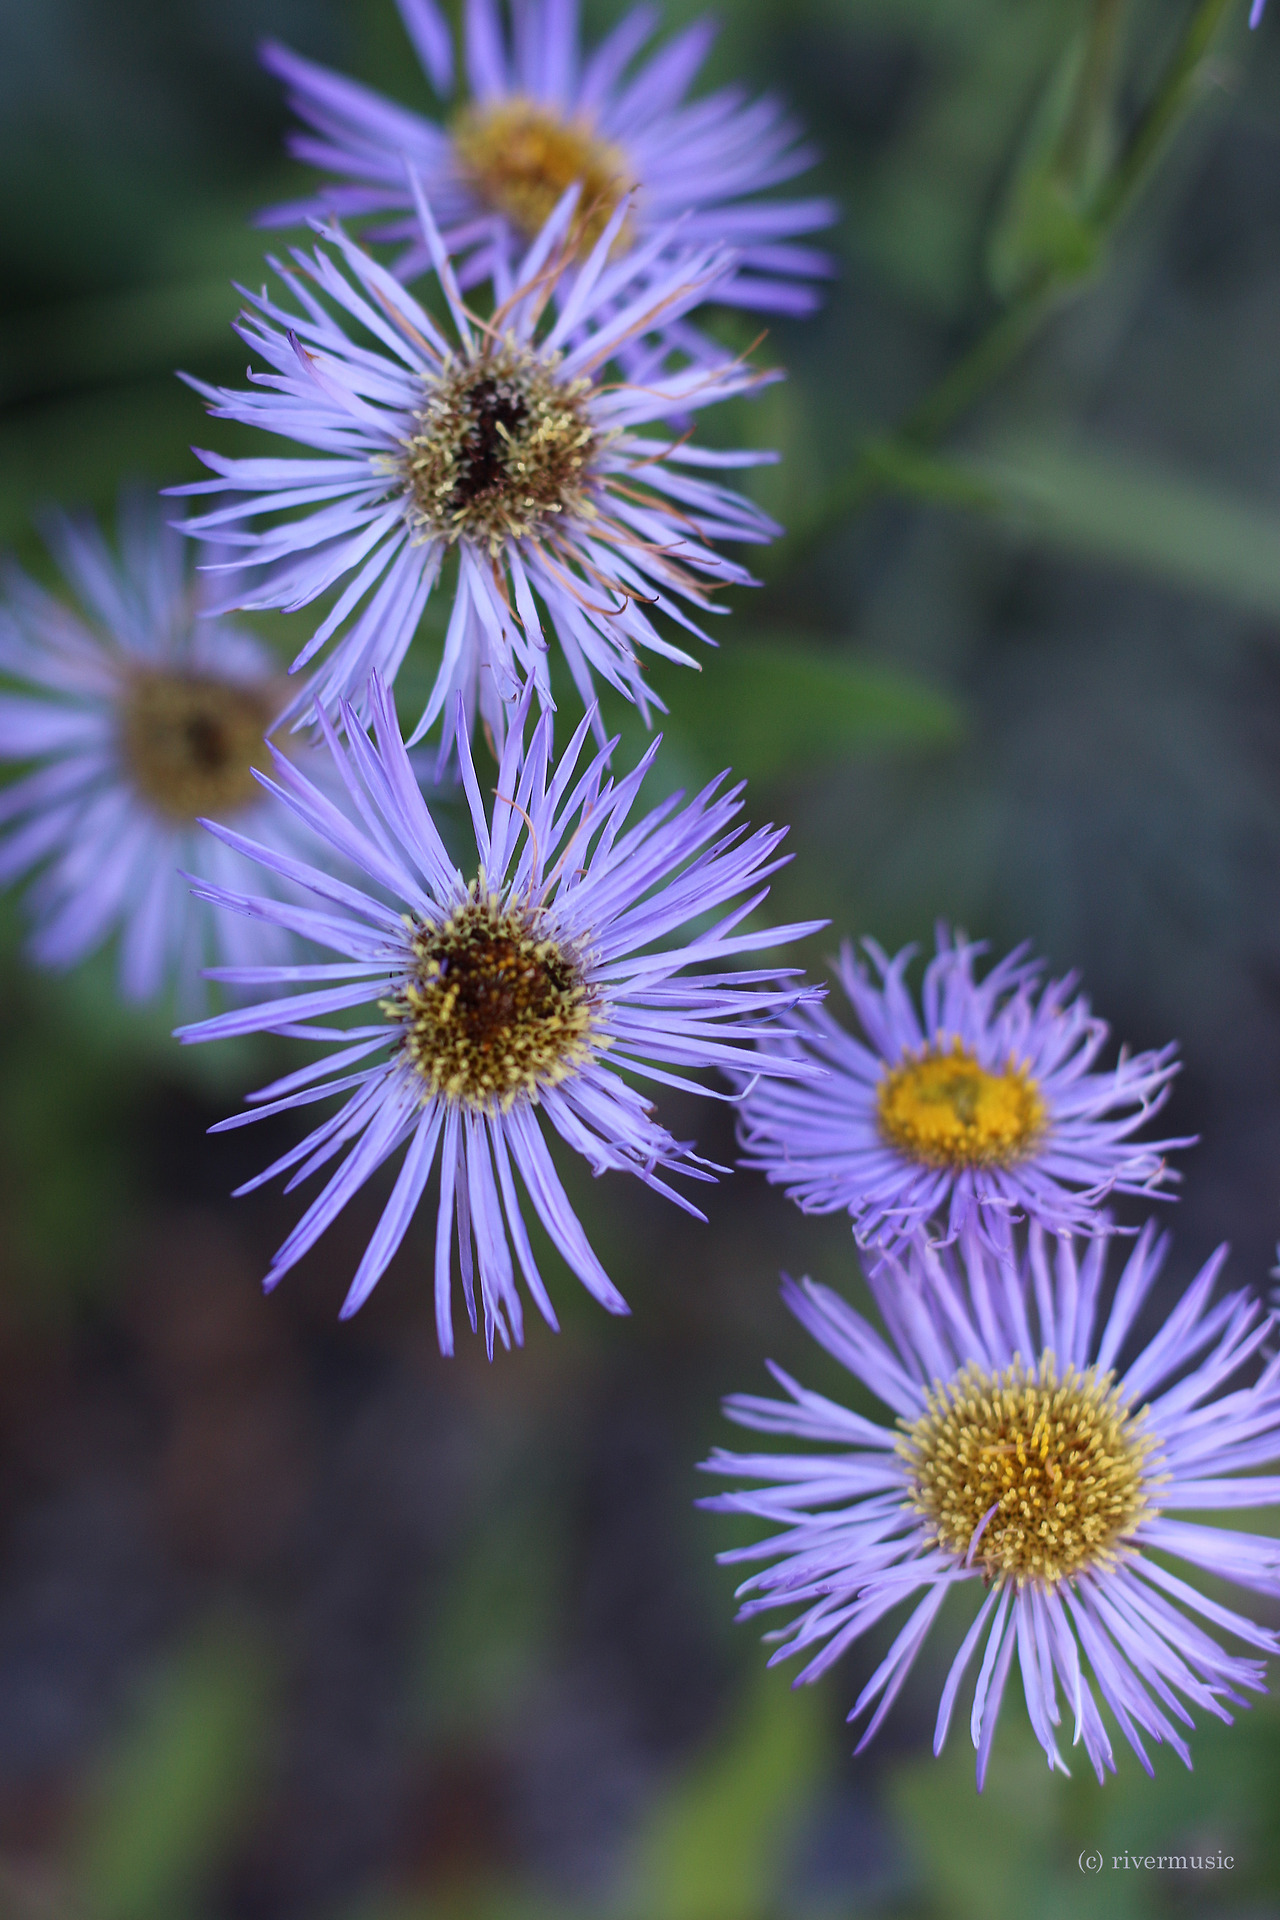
(1045, 230)
(764, 706)
(1016, 1848)
(768, 706)
(714, 1845)
(1105, 504)
(1116, 506)
(900, 468)
(183, 1780)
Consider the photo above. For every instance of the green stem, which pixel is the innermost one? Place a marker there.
(973, 373)
(1092, 101)
(865, 479)
(1163, 114)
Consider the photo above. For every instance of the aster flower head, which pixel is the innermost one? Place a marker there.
(505, 1003)
(539, 115)
(1023, 1456)
(502, 448)
(135, 716)
(978, 1105)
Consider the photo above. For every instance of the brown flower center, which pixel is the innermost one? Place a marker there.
(500, 447)
(495, 1007)
(190, 741)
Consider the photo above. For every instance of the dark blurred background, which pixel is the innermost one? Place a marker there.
(301, 1620)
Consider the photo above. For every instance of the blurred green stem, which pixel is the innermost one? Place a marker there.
(1092, 104)
(965, 382)
(1162, 117)
(887, 464)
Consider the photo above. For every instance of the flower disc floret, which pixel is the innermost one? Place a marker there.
(1028, 1476)
(518, 155)
(944, 1110)
(191, 741)
(496, 1006)
(501, 446)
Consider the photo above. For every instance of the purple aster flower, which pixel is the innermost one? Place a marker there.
(1020, 1458)
(539, 117)
(505, 444)
(137, 716)
(535, 986)
(1256, 12)
(979, 1105)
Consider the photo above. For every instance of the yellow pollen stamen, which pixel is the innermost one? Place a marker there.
(495, 1008)
(500, 447)
(1029, 1476)
(519, 156)
(190, 741)
(941, 1108)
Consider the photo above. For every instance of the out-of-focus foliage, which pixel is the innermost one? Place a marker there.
(178, 1788)
(1093, 500)
(716, 1842)
(1019, 1848)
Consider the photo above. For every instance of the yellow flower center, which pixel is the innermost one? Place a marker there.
(941, 1108)
(500, 447)
(1028, 1476)
(519, 156)
(495, 1007)
(190, 741)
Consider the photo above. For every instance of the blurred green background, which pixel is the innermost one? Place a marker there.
(301, 1620)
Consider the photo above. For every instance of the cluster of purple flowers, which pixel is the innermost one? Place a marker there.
(974, 1142)
(517, 436)
(516, 432)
